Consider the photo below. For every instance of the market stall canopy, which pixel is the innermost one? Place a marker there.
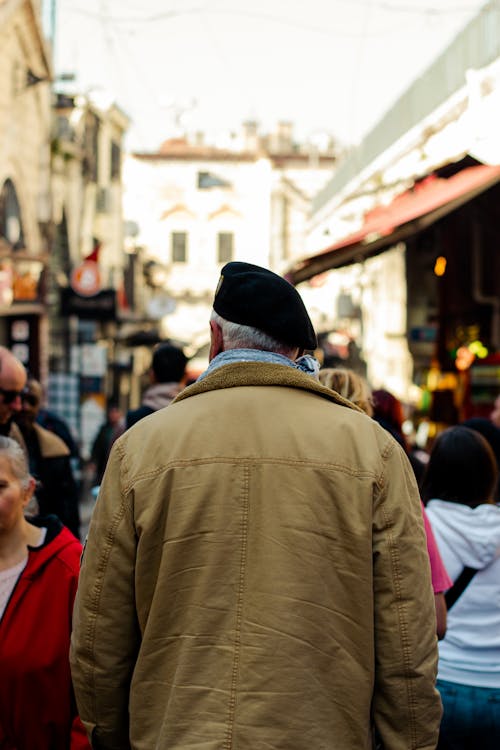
(427, 201)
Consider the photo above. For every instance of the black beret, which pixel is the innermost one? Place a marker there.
(254, 296)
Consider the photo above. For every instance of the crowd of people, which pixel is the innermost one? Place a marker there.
(269, 564)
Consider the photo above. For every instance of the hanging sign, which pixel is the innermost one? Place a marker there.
(86, 279)
(100, 306)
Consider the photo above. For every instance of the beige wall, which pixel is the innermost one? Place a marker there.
(78, 198)
(24, 118)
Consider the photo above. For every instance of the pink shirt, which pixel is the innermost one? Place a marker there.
(441, 581)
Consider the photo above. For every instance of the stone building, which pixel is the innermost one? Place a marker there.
(198, 206)
(25, 208)
(88, 264)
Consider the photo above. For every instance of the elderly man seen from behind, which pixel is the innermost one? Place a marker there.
(256, 573)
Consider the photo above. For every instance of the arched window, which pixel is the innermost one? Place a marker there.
(11, 226)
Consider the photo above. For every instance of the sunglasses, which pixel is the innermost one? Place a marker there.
(9, 396)
(29, 398)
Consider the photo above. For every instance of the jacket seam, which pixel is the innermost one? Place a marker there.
(403, 629)
(181, 462)
(95, 602)
(239, 610)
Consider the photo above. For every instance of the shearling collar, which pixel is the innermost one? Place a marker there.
(257, 374)
(51, 446)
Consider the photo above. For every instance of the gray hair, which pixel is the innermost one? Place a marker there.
(239, 336)
(19, 465)
(17, 459)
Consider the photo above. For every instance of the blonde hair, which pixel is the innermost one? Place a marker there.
(348, 384)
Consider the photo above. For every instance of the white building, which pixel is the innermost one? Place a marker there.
(199, 206)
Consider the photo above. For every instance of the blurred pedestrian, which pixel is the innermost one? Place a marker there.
(49, 462)
(12, 382)
(460, 480)
(354, 387)
(39, 561)
(255, 572)
(492, 434)
(388, 412)
(109, 431)
(56, 424)
(350, 385)
(495, 413)
(167, 376)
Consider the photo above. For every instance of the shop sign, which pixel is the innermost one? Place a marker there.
(19, 281)
(93, 360)
(101, 306)
(86, 279)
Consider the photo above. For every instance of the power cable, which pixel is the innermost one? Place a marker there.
(344, 34)
(388, 7)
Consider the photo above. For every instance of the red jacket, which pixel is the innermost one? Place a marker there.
(37, 707)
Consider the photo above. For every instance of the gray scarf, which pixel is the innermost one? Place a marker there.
(306, 364)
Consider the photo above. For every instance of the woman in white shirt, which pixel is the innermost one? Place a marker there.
(458, 490)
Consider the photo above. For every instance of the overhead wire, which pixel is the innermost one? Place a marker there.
(121, 24)
(124, 50)
(285, 21)
(358, 64)
(381, 4)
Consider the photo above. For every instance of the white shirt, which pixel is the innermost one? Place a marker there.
(470, 652)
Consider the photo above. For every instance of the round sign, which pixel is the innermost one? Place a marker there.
(86, 279)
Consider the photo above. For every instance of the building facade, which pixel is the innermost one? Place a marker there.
(86, 284)
(25, 206)
(198, 206)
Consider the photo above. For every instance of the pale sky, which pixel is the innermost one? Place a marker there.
(325, 65)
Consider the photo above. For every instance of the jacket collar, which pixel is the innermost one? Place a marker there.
(261, 374)
(51, 446)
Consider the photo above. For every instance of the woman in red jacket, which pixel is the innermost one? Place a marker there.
(39, 565)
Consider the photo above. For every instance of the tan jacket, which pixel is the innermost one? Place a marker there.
(256, 577)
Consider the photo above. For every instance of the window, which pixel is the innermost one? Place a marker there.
(116, 161)
(179, 247)
(11, 224)
(210, 180)
(225, 247)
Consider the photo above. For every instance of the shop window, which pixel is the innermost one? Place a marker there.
(225, 247)
(179, 247)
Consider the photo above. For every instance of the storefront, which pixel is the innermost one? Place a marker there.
(445, 226)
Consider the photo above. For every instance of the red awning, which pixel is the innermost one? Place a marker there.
(410, 212)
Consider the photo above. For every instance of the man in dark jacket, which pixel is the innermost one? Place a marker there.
(167, 375)
(108, 432)
(49, 461)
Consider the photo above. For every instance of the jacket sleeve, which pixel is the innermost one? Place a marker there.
(106, 637)
(406, 704)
